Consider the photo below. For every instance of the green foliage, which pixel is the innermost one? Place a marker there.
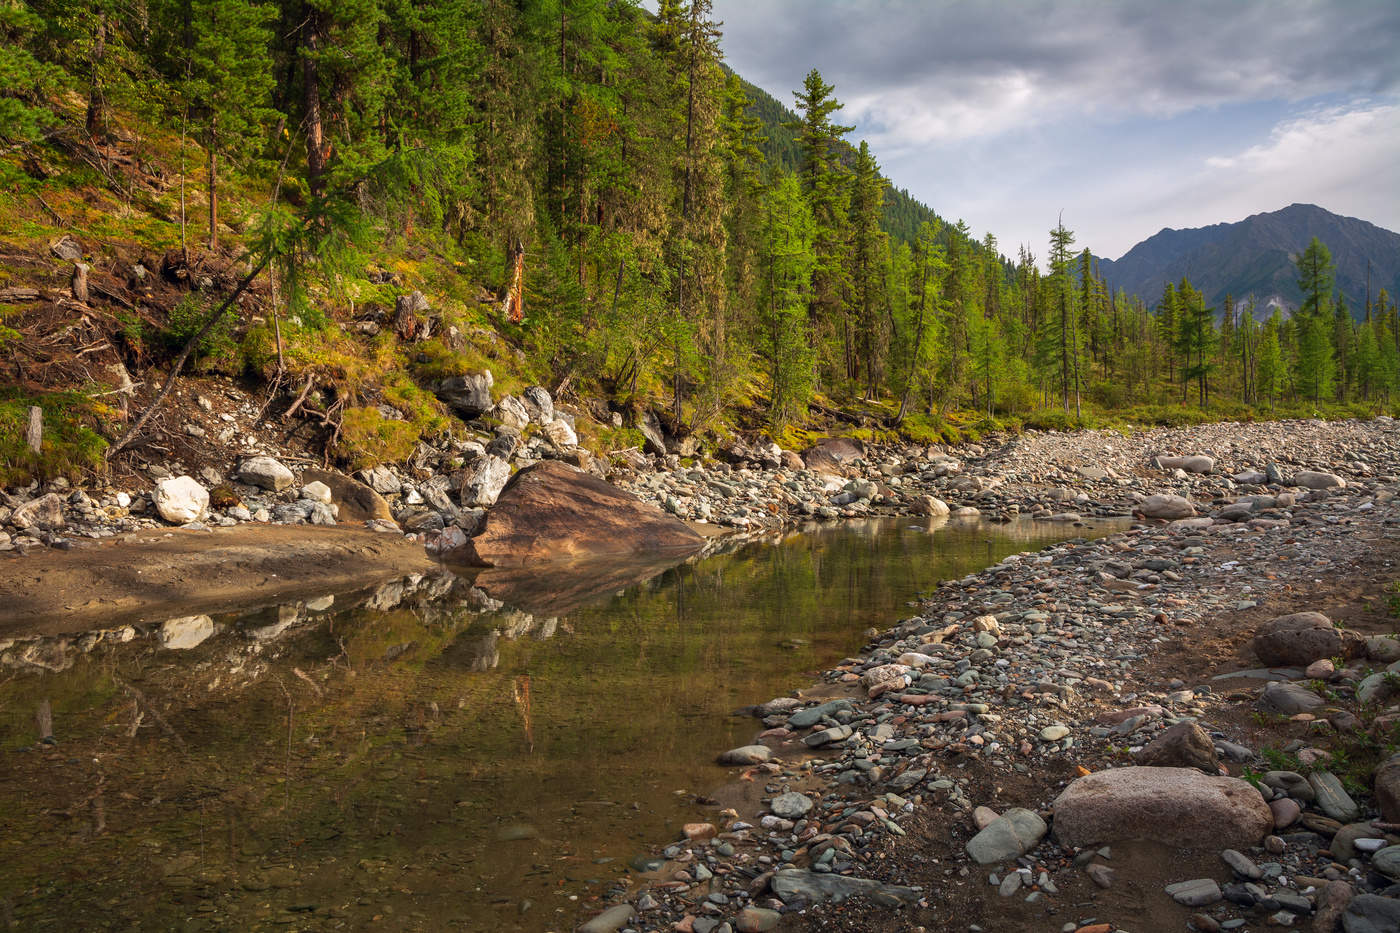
(218, 351)
(71, 444)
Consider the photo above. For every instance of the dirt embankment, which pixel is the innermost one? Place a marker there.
(149, 575)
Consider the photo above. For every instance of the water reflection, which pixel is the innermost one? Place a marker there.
(442, 751)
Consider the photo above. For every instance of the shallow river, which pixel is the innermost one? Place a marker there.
(419, 757)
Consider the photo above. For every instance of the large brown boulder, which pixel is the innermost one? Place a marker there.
(552, 511)
(1297, 640)
(356, 501)
(1175, 806)
(832, 454)
(1184, 745)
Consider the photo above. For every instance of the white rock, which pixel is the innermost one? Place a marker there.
(512, 413)
(484, 481)
(180, 499)
(265, 473)
(318, 491)
(1309, 479)
(560, 434)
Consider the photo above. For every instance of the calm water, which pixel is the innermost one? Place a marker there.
(418, 757)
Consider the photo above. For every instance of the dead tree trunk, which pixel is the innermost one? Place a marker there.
(80, 281)
(34, 431)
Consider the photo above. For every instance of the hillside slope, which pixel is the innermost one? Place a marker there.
(1255, 257)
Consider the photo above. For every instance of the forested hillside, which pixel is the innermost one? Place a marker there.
(584, 199)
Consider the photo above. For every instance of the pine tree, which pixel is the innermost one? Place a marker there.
(24, 79)
(868, 245)
(229, 84)
(1270, 373)
(786, 264)
(1066, 330)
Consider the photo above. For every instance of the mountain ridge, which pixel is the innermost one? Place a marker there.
(1253, 257)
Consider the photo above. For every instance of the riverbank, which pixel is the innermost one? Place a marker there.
(1012, 683)
(152, 575)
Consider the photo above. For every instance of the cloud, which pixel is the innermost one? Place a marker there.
(961, 70)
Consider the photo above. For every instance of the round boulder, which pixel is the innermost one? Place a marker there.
(1297, 640)
(180, 499)
(1174, 806)
(1167, 507)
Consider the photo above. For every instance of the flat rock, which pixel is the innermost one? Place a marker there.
(1332, 798)
(1371, 913)
(1296, 640)
(1195, 893)
(1287, 699)
(791, 884)
(1012, 834)
(1311, 479)
(1176, 806)
(791, 806)
(265, 473)
(746, 755)
(1196, 463)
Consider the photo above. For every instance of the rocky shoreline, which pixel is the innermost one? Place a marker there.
(934, 776)
(883, 784)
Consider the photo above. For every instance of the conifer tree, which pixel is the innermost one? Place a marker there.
(229, 84)
(786, 263)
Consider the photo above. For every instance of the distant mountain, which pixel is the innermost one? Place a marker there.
(1255, 257)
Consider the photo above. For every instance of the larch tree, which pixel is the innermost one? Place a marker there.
(229, 87)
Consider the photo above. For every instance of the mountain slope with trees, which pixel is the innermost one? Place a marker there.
(1255, 257)
(350, 205)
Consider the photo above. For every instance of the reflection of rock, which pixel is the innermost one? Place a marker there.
(50, 654)
(474, 650)
(287, 616)
(560, 588)
(552, 511)
(185, 632)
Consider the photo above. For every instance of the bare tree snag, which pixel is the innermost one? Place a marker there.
(514, 306)
(80, 281)
(34, 431)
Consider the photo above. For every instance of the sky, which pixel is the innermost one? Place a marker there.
(1128, 116)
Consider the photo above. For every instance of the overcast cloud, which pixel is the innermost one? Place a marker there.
(1130, 116)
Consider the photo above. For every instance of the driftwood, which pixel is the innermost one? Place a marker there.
(184, 356)
(20, 294)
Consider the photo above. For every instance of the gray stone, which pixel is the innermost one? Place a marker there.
(1167, 507)
(512, 413)
(1287, 699)
(467, 396)
(1371, 913)
(1195, 893)
(1198, 463)
(746, 755)
(828, 736)
(791, 805)
(483, 481)
(1387, 788)
(265, 473)
(1310, 479)
(1241, 864)
(539, 404)
(560, 434)
(1012, 834)
(1387, 861)
(1332, 798)
(610, 920)
(810, 717)
(46, 513)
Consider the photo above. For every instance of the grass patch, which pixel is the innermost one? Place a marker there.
(71, 445)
